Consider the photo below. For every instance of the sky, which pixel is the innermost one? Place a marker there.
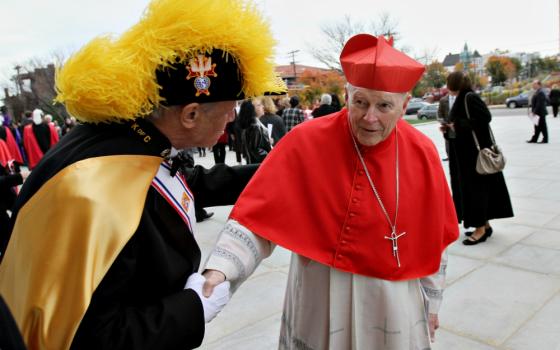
(39, 29)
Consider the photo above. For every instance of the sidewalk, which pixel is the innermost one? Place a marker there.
(502, 294)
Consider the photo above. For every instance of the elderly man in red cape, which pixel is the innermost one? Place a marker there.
(361, 199)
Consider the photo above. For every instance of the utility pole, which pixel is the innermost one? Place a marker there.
(17, 81)
(293, 54)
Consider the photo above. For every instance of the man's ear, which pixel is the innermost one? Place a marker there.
(405, 104)
(190, 115)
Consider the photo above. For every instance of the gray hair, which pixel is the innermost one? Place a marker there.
(326, 99)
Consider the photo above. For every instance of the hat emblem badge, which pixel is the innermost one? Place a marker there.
(201, 68)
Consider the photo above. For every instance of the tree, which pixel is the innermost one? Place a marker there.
(518, 66)
(317, 83)
(337, 34)
(500, 68)
(435, 75)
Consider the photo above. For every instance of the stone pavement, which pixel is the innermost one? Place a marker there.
(501, 294)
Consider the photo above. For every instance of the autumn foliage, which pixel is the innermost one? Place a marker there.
(319, 82)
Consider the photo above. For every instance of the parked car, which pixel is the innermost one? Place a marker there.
(413, 107)
(429, 111)
(521, 100)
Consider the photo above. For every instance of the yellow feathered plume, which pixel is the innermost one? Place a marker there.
(115, 79)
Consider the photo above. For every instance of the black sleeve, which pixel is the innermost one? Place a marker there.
(478, 111)
(7, 181)
(219, 185)
(539, 105)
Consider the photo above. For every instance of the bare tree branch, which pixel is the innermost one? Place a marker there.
(337, 34)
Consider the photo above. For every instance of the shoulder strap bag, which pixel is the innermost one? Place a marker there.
(490, 160)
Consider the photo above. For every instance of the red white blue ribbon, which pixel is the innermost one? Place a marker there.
(176, 193)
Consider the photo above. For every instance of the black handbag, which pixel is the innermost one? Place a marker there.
(490, 160)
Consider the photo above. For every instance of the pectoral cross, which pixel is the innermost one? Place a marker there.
(394, 237)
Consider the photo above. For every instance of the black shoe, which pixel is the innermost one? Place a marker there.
(472, 241)
(203, 216)
(542, 142)
(531, 141)
(488, 232)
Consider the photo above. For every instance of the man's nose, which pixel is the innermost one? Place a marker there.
(371, 115)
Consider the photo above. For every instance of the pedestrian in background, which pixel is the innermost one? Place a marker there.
(554, 98)
(445, 105)
(219, 149)
(272, 121)
(478, 198)
(255, 140)
(325, 107)
(538, 108)
(294, 115)
(335, 102)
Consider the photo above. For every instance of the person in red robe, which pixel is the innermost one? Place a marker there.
(361, 199)
(10, 142)
(38, 138)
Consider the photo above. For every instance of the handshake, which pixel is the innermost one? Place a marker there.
(213, 291)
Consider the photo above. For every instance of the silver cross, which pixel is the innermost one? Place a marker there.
(394, 237)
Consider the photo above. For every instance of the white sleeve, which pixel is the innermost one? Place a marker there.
(237, 253)
(434, 285)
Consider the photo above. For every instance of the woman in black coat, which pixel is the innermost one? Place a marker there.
(478, 198)
(255, 140)
(554, 98)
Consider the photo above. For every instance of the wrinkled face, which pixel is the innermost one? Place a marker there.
(213, 120)
(374, 114)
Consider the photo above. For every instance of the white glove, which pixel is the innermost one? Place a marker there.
(216, 302)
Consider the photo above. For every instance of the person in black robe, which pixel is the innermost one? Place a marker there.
(325, 108)
(478, 198)
(102, 252)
